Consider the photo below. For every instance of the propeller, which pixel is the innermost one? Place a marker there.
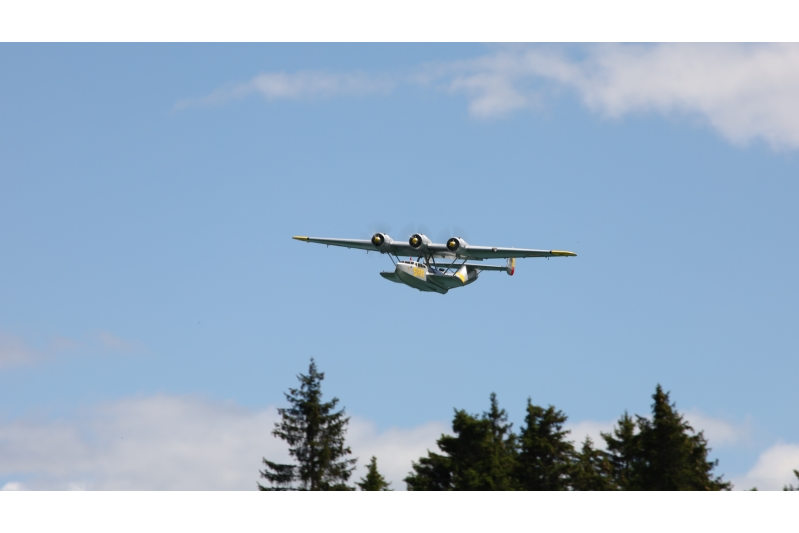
(410, 229)
(453, 231)
(458, 231)
(377, 227)
(443, 235)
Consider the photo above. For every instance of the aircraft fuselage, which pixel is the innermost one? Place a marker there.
(427, 278)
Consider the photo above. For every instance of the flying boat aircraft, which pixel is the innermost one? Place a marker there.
(453, 269)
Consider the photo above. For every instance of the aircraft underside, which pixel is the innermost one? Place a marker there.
(428, 278)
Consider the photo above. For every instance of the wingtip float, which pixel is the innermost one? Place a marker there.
(451, 271)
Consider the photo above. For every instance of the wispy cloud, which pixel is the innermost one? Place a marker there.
(167, 442)
(109, 341)
(15, 352)
(744, 92)
(301, 85)
(59, 344)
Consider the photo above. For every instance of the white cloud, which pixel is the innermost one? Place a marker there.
(157, 442)
(298, 85)
(492, 84)
(165, 442)
(718, 432)
(14, 352)
(745, 92)
(588, 428)
(394, 448)
(177, 443)
(773, 469)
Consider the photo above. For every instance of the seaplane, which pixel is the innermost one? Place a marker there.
(437, 267)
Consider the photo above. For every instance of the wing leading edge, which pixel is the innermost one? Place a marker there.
(394, 248)
(439, 250)
(360, 244)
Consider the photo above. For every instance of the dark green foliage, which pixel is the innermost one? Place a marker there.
(315, 435)
(664, 454)
(623, 452)
(495, 470)
(433, 472)
(280, 477)
(791, 487)
(479, 457)
(592, 469)
(373, 479)
(545, 456)
(673, 459)
(661, 453)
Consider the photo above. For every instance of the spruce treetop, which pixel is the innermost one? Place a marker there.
(661, 453)
(479, 456)
(315, 433)
(545, 456)
(373, 480)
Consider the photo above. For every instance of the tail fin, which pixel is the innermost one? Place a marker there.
(511, 268)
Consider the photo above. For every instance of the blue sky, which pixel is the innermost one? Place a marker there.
(148, 194)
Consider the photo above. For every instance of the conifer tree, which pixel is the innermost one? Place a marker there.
(545, 456)
(591, 469)
(673, 456)
(433, 472)
(480, 456)
(373, 480)
(315, 435)
(501, 446)
(623, 453)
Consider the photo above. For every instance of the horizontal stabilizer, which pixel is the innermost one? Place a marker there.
(478, 266)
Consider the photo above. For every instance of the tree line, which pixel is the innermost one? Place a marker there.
(661, 452)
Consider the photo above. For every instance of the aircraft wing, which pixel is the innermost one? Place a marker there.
(439, 250)
(395, 248)
(488, 252)
(360, 244)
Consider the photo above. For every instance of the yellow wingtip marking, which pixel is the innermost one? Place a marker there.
(563, 253)
(301, 238)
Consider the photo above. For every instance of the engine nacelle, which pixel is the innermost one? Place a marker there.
(456, 244)
(381, 241)
(419, 241)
